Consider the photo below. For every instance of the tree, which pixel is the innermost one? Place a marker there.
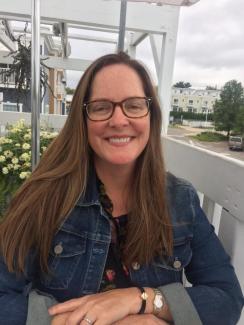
(182, 84)
(211, 87)
(239, 128)
(70, 91)
(228, 107)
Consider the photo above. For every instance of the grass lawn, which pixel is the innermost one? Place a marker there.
(210, 137)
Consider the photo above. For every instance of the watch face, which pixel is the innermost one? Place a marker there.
(158, 301)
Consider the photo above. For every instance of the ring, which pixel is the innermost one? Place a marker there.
(86, 319)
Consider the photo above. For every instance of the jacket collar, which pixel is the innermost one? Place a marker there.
(91, 195)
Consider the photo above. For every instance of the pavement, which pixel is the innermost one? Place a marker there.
(184, 133)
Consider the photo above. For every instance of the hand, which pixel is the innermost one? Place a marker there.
(146, 319)
(103, 308)
(60, 319)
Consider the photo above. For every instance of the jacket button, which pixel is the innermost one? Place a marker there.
(177, 264)
(136, 266)
(58, 249)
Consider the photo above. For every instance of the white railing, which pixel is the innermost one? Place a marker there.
(220, 183)
(54, 121)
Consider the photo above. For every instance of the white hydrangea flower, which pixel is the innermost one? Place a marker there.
(15, 130)
(16, 167)
(2, 158)
(23, 175)
(17, 145)
(10, 166)
(8, 154)
(53, 135)
(15, 160)
(27, 136)
(44, 148)
(27, 164)
(5, 170)
(25, 156)
(26, 146)
(2, 140)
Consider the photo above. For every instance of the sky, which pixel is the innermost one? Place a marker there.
(210, 45)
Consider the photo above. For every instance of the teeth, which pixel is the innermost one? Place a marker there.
(119, 140)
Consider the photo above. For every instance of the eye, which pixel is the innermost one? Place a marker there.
(135, 103)
(99, 107)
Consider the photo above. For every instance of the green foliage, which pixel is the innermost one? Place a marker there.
(210, 137)
(191, 116)
(70, 91)
(239, 126)
(15, 158)
(211, 87)
(21, 68)
(182, 84)
(227, 109)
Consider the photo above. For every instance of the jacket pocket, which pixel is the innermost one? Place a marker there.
(172, 266)
(66, 251)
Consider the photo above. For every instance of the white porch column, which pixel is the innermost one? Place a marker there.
(166, 58)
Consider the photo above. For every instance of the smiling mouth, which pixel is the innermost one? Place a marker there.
(121, 140)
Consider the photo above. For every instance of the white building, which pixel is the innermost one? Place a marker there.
(193, 100)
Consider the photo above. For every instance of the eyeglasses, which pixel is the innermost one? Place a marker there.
(102, 110)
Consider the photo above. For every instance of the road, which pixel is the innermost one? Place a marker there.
(183, 134)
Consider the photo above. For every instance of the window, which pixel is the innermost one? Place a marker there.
(10, 107)
(175, 101)
(190, 102)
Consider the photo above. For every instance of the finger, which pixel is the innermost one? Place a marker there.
(88, 320)
(80, 316)
(64, 307)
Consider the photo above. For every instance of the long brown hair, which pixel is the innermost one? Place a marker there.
(49, 195)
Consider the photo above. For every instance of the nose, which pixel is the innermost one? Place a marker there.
(118, 118)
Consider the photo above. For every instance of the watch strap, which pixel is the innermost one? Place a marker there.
(144, 297)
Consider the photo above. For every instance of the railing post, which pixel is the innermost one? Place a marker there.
(35, 83)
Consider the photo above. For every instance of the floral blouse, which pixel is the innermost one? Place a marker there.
(115, 273)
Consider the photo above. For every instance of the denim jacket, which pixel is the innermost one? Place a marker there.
(78, 256)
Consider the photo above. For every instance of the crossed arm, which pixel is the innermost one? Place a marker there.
(117, 307)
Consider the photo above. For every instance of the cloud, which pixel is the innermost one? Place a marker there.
(210, 38)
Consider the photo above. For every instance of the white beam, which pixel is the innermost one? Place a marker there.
(155, 51)
(137, 38)
(54, 62)
(165, 75)
(6, 41)
(67, 63)
(140, 16)
(72, 36)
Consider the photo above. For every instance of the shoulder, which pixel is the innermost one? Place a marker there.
(182, 199)
(178, 187)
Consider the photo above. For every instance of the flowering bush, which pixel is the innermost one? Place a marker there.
(15, 158)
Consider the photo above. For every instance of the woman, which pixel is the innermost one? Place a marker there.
(101, 232)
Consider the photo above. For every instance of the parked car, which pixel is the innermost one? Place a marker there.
(236, 142)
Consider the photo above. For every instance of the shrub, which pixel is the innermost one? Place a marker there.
(210, 137)
(15, 158)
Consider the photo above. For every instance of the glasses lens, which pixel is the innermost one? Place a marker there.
(136, 107)
(99, 110)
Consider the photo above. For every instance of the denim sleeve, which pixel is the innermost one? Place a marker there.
(215, 291)
(17, 300)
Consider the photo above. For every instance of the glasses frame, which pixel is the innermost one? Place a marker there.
(121, 104)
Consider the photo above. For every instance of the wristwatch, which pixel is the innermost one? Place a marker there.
(158, 302)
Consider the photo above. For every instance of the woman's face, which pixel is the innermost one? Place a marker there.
(119, 140)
